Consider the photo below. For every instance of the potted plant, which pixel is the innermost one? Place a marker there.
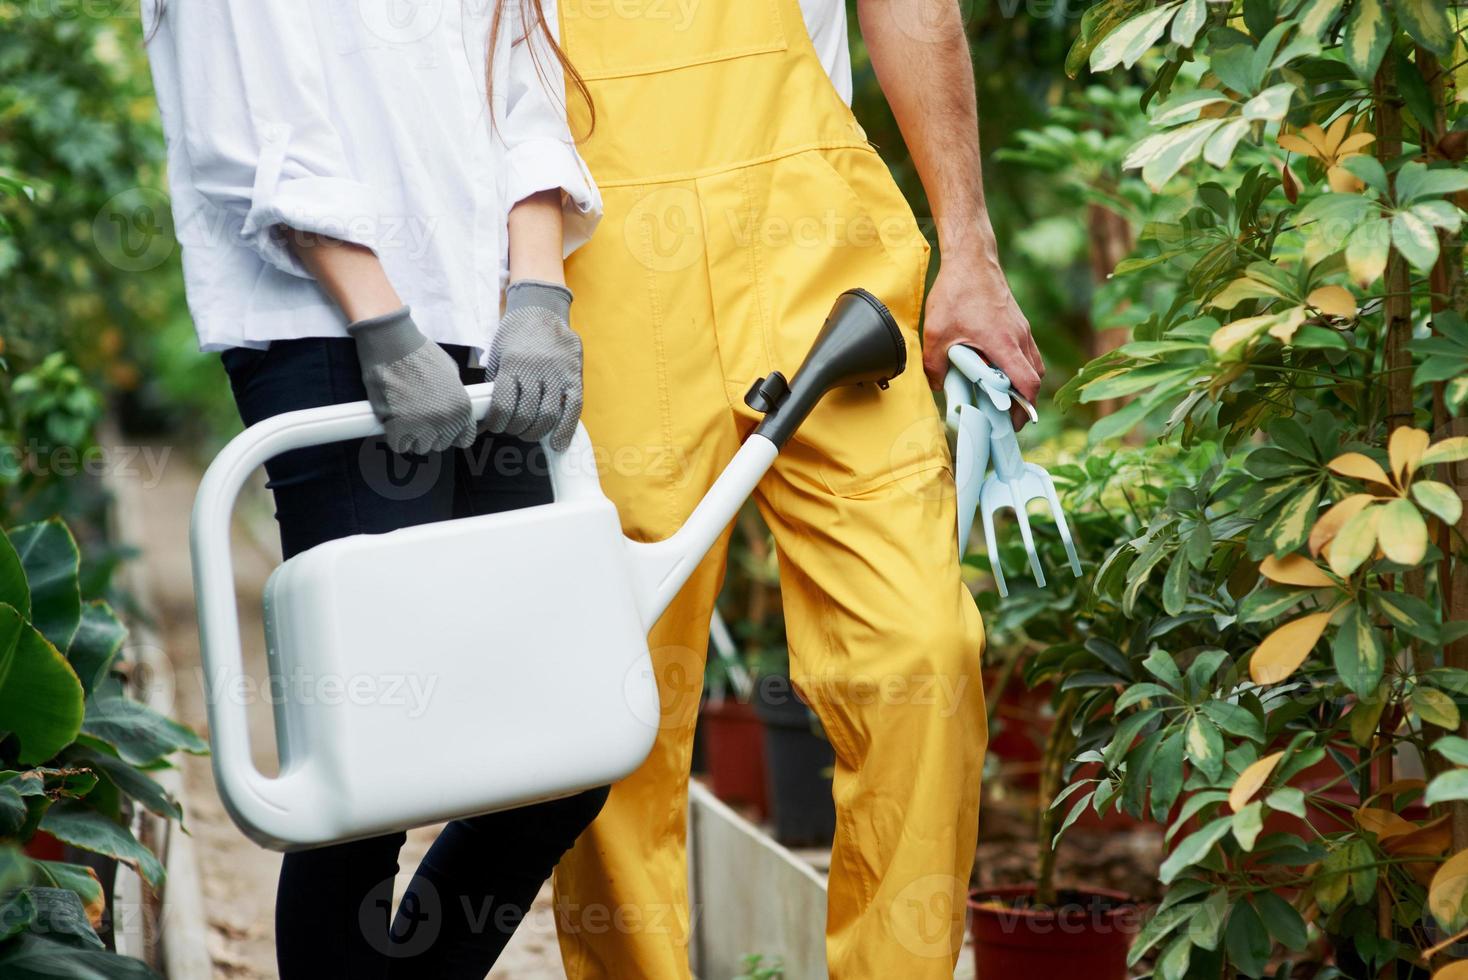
(730, 739)
(74, 757)
(1040, 929)
(1306, 322)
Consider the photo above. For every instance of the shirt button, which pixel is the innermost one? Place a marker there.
(275, 133)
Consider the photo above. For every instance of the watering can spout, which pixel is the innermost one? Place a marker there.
(859, 343)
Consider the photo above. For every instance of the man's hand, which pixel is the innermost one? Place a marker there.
(971, 304)
(920, 52)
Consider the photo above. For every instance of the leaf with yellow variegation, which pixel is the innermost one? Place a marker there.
(1295, 570)
(1233, 335)
(1448, 896)
(1453, 971)
(1435, 707)
(1438, 498)
(1342, 181)
(1333, 520)
(1405, 448)
(1287, 323)
(1402, 533)
(1334, 300)
(1428, 840)
(1383, 823)
(1367, 249)
(1282, 652)
(1241, 289)
(1453, 450)
(1359, 466)
(1355, 543)
(1251, 780)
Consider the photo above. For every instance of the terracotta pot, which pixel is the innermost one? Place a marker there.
(1022, 723)
(1087, 935)
(43, 847)
(734, 751)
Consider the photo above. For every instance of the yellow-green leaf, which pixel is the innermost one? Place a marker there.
(1283, 651)
(1383, 823)
(1405, 449)
(1131, 40)
(1355, 544)
(1252, 780)
(1241, 289)
(1453, 450)
(1295, 570)
(1435, 707)
(1316, 15)
(1402, 533)
(1439, 499)
(1284, 327)
(1334, 300)
(1367, 249)
(1367, 35)
(1427, 22)
(1333, 520)
(1364, 718)
(1447, 898)
(1360, 467)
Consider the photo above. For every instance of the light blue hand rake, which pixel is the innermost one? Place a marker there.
(979, 399)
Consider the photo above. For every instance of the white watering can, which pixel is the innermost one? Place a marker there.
(404, 699)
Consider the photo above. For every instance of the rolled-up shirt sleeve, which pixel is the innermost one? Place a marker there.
(257, 128)
(540, 152)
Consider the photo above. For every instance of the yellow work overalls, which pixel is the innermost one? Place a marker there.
(741, 199)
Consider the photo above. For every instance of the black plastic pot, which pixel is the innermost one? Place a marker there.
(799, 761)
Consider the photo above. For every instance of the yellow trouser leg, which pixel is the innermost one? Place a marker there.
(659, 418)
(885, 644)
(689, 292)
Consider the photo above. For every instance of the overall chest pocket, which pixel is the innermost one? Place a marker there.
(621, 38)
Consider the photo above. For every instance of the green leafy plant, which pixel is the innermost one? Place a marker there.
(75, 753)
(1288, 637)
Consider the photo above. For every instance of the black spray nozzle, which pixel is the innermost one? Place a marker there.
(860, 342)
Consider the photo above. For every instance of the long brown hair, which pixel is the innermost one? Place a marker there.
(533, 13)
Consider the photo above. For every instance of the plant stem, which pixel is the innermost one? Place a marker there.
(1058, 749)
(1448, 293)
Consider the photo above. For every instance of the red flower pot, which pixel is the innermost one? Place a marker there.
(1086, 935)
(734, 750)
(43, 847)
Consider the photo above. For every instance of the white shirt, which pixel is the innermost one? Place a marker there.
(825, 20)
(362, 120)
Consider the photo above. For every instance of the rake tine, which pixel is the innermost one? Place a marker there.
(993, 551)
(1022, 517)
(1061, 525)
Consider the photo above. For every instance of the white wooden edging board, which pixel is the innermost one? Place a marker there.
(750, 895)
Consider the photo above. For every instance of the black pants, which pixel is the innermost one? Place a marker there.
(333, 913)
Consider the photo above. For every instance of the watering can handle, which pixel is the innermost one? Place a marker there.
(260, 801)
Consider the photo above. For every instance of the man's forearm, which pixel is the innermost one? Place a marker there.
(921, 57)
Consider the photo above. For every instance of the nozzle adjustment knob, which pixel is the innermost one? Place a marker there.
(766, 394)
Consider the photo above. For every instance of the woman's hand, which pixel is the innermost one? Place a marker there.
(413, 386)
(535, 364)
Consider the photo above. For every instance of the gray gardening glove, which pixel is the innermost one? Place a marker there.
(413, 386)
(535, 364)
